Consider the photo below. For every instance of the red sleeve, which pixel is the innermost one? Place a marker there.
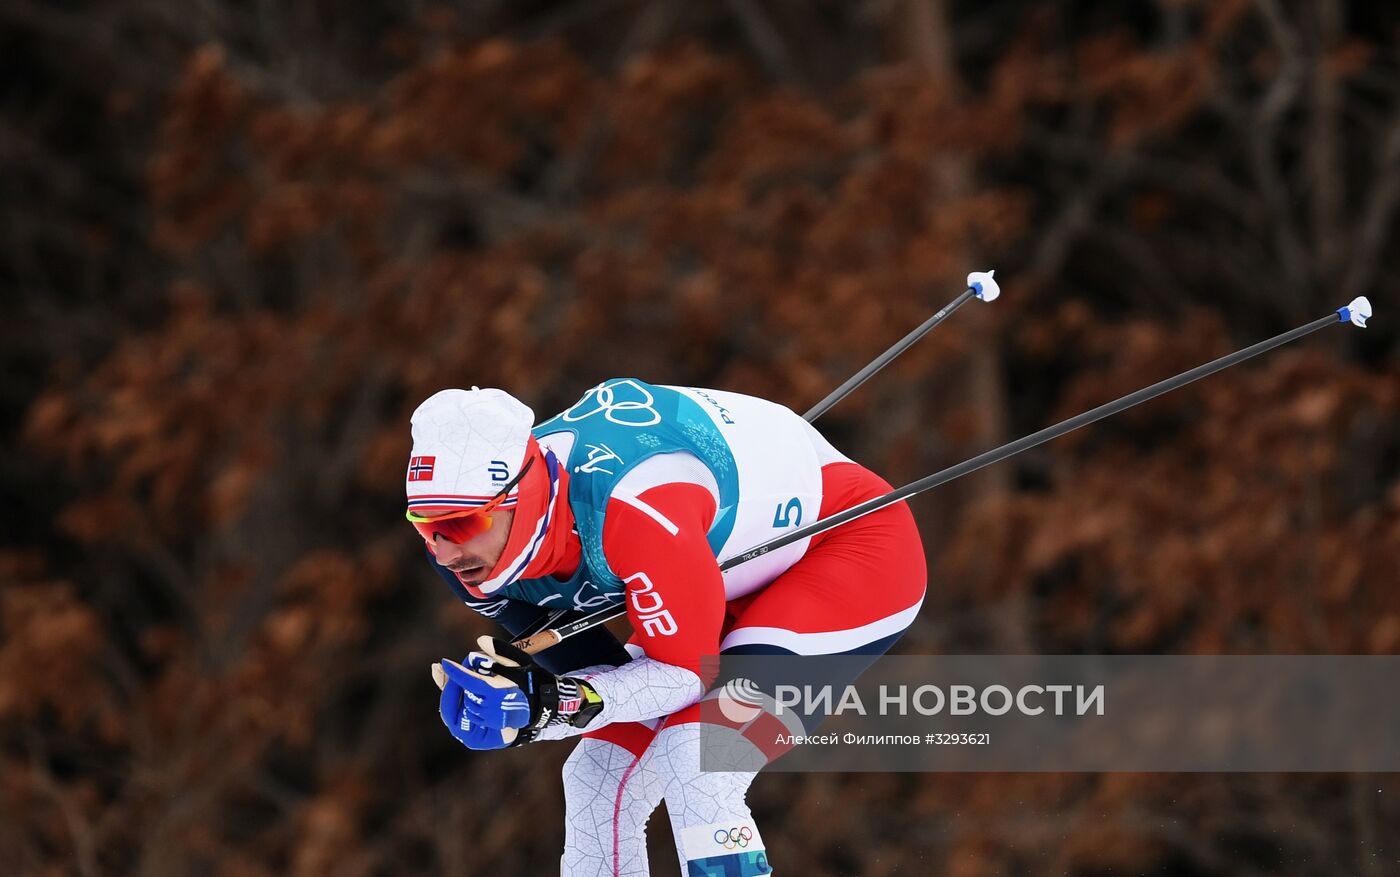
(656, 544)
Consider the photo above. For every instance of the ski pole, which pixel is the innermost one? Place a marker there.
(980, 284)
(1355, 313)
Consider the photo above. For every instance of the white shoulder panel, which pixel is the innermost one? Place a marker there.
(679, 467)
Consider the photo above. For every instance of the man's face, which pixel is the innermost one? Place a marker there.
(474, 559)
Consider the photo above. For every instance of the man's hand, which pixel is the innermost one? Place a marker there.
(502, 688)
(471, 734)
(493, 686)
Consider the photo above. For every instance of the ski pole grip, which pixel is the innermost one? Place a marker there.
(538, 642)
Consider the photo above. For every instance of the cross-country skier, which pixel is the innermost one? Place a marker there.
(632, 493)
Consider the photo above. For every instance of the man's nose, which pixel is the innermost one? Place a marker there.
(447, 551)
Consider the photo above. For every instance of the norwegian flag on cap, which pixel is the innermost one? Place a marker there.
(469, 444)
(421, 468)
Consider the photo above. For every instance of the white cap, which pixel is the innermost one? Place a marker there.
(467, 446)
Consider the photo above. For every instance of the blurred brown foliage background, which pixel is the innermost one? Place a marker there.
(240, 241)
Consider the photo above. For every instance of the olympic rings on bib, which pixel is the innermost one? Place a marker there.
(734, 838)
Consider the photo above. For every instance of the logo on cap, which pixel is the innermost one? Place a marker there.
(421, 468)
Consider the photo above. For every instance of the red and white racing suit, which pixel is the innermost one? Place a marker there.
(852, 589)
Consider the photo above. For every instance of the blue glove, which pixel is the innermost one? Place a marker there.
(502, 688)
(472, 734)
(489, 697)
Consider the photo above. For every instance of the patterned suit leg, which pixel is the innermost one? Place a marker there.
(715, 833)
(609, 793)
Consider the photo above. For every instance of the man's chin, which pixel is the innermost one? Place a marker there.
(474, 588)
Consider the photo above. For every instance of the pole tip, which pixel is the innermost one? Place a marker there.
(983, 286)
(1356, 313)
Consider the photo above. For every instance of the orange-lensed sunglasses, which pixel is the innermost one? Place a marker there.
(458, 527)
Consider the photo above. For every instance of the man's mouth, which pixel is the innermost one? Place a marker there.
(469, 572)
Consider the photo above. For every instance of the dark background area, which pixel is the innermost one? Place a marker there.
(240, 241)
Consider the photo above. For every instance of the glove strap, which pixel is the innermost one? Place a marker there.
(579, 704)
(591, 707)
